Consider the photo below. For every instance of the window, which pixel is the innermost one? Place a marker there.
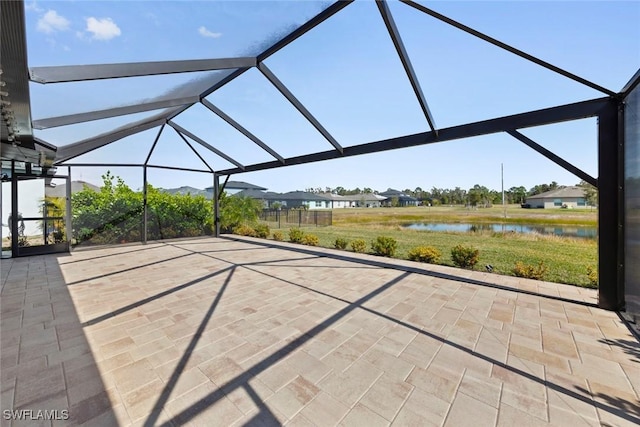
(318, 204)
(581, 202)
(557, 202)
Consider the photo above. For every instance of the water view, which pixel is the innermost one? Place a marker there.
(558, 230)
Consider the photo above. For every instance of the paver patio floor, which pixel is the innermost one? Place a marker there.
(251, 332)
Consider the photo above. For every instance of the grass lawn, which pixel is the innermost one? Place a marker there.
(513, 214)
(567, 259)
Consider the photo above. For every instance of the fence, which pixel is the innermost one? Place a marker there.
(296, 218)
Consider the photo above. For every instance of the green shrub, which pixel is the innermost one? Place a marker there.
(236, 210)
(310, 240)
(529, 271)
(277, 235)
(384, 246)
(244, 230)
(359, 245)
(262, 230)
(592, 275)
(425, 254)
(465, 256)
(295, 235)
(340, 243)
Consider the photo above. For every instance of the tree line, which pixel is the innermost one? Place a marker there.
(476, 195)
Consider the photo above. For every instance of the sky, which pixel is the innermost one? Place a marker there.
(348, 75)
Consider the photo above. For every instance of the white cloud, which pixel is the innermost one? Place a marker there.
(102, 29)
(51, 22)
(206, 33)
(33, 6)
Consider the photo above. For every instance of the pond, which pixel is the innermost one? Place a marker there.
(558, 230)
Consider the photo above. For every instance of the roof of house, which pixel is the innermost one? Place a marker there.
(367, 197)
(76, 186)
(391, 192)
(258, 194)
(303, 195)
(239, 185)
(559, 193)
(399, 194)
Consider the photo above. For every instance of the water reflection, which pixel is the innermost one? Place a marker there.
(558, 230)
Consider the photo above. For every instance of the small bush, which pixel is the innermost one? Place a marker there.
(592, 275)
(277, 235)
(529, 271)
(359, 246)
(340, 243)
(384, 246)
(295, 235)
(262, 230)
(244, 230)
(425, 254)
(310, 240)
(465, 256)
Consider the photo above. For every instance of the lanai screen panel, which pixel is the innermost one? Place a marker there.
(632, 202)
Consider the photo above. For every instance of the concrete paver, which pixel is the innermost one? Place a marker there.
(243, 331)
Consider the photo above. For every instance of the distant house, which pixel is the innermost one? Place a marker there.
(268, 198)
(290, 200)
(367, 200)
(402, 199)
(299, 199)
(567, 197)
(303, 199)
(233, 187)
(339, 202)
(61, 190)
(364, 200)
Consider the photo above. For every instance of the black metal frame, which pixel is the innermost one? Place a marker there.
(47, 248)
(608, 110)
(406, 62)
(237, 126)
(575, 111)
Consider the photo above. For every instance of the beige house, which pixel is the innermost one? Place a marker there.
(567, 197)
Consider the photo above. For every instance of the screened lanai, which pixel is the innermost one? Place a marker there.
(158, 110)
(220, 330)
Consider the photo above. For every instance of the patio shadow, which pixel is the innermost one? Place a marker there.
(47, 363)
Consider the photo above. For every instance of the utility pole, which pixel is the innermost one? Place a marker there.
(504, 207)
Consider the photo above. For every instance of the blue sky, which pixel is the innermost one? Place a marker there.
(348, 75)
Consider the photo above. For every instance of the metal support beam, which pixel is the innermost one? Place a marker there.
(298, 105)
(14, 211)
(153, 146)
(194, 150)
(576, 111)
(224, 185)
(631, 84)
(310, 24)
(76, 73)
(216, 205)
(71, 119)
(554, 158)
(206, 145)
(508, 48)
(68, 213)
(145, 217)
(304, 28)
(113, 165)
(241, 129)
(387, 17)
(610, 210)
(176, 168)
(68, 152)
